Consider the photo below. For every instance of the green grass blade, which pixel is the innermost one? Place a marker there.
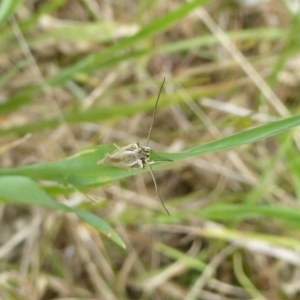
(7, 9)
(22, 190)
(230, 212)
(82, 169)
(246, 137)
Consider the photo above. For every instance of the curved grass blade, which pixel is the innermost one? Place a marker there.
(82, 169)
(23, 190)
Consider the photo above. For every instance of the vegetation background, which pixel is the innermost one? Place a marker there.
(77, 76)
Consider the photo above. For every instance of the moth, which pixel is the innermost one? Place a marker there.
(135, 156)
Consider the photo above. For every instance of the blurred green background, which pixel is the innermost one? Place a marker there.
(77, 77)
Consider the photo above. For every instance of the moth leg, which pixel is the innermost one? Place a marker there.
(102, 161)
(116, 146)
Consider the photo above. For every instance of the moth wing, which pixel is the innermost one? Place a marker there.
(124, 157)
(113, 159)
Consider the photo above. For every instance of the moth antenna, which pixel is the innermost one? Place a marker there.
(157, 192)
(154, 112)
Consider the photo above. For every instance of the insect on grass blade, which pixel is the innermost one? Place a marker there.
(134, 156)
